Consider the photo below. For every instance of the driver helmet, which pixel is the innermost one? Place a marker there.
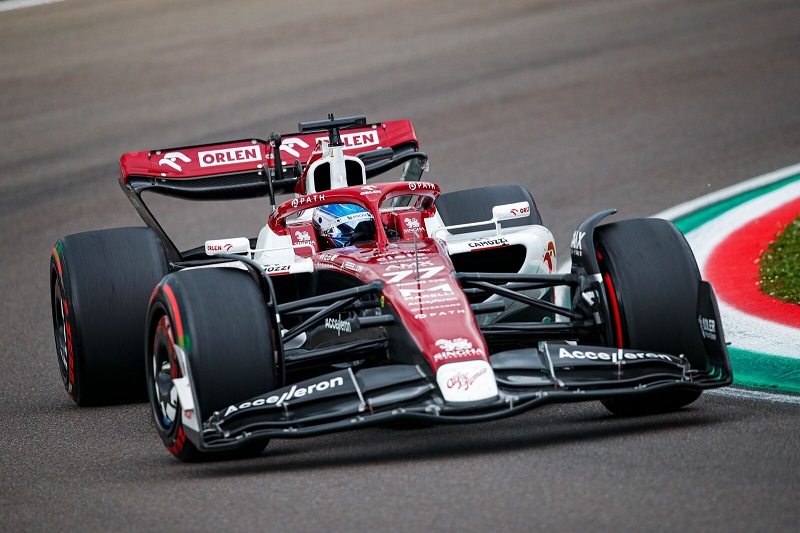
(336, 224)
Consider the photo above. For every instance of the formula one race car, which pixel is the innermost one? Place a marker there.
(362, 304)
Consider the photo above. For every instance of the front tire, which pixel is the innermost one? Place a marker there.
(100, 283)
(217, 317)
(651, 279)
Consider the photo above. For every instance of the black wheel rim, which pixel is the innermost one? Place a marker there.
(165, 370)
(61, 331)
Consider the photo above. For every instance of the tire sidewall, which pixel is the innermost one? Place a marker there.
(59, 277)
(106, 279)
(173, 437)
(635, 284)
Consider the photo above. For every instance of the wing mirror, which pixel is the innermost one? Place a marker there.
(509, 211)
(499, 213)
(237, 245)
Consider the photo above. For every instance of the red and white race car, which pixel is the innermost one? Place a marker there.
(361, 303)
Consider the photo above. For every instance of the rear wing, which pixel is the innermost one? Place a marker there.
(243, 169)
(246, 168)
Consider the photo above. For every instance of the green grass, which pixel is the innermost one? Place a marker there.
(780, 265)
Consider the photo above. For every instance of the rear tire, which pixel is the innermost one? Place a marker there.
(475, 205)
(650, 273)
(100, 283)
(218, 317)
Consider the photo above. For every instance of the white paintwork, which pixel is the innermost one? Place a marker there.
(466, 381)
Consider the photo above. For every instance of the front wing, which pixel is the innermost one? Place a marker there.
(526, 378)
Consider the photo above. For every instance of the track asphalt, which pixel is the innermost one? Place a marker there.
(634, 104)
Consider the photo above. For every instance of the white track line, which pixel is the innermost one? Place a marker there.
(755, 395)
(728, 192)
(747, 331)
(10, 5)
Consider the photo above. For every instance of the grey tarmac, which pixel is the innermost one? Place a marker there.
(633, 104)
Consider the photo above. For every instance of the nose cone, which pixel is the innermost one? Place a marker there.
(466, 381)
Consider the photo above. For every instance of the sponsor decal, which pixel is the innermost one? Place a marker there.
(454, 344)
(277, 268)
(491, 243)
(238, 245)
(577, 243)
(436, 314)
(354, 140)
(509, 211)
(307, 199)
(462, 381)
(550, 255)
(369, 189)
(349, 265)
(428, 301)
(521, 211)
(412, 227)
(171, 160)
(456, 349)
(328, 256)
(466, 381)
(363, 215)
(404, 266)
(229, 156)
(615, 356)
(294, 392)
(708, 327)
(288, 144)
(421, 185)
(431, 292)
(424, 273)
(411, 223)
(338, 325)
(302, 236)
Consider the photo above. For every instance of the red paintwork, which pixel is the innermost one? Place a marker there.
(249, 155)
(303, 233)
(737, 281)
(432, 307)
(407, 224)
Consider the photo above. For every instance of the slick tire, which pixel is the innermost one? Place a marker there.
(651, 278)
(475, 205)
(217, 317)
(100, 284)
